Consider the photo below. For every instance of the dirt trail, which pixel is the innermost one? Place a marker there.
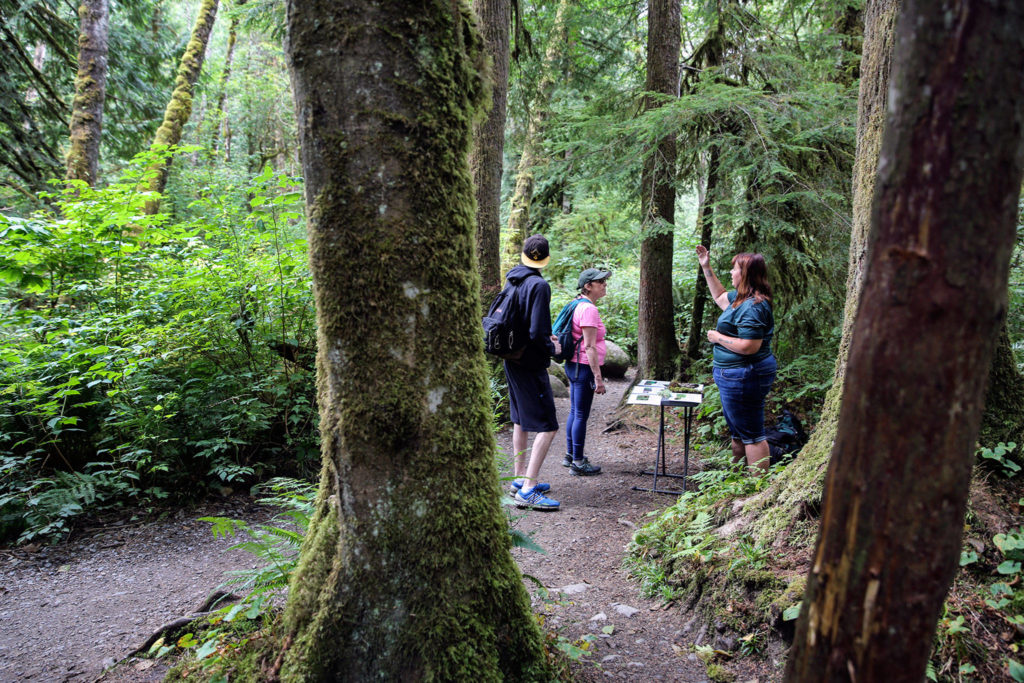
(585, 543)
(68, 611)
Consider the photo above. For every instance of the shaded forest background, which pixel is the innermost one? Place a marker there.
(158, 327)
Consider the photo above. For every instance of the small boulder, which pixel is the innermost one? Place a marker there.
(558, 390)
(556, 370)
(626, 610)
(616, 361)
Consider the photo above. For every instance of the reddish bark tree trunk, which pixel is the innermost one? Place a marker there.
(934, 298)
(657, 349)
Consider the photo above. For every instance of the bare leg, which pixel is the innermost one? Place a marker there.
(758, 457)
(541, 443)
(519, 439)
(739, 452)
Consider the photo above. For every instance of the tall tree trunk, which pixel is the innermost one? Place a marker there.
(83, 160)
(405, 573)
(222, 96)
(487, 155)
(705, 224)
(943, 224)
(657, 348)
(522, 196)
(1003, 419)
(180, 107)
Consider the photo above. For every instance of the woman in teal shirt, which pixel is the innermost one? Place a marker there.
(744, 367)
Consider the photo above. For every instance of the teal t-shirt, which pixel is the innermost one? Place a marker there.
(746, 321)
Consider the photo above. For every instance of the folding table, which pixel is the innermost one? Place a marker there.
(652, 392)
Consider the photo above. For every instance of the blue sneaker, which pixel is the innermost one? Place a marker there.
(536, 500)
(516, 486)
(567, 460)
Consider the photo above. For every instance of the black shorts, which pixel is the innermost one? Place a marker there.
(529, 396)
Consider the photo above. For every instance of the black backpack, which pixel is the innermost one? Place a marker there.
(786, 437)
(506, 330)
(562, 328)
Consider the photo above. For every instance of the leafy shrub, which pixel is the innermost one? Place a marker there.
(167, 356)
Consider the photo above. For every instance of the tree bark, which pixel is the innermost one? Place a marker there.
(222, 96)
(405, 572)
(90, 92)
(657, 348)
(943, 224)
(487, 155)
(522, 196)
(180, 107)
(705, 224)
(1003, 419)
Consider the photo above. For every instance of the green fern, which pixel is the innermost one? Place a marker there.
(276, 546)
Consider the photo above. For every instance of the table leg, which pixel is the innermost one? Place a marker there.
(659, 460)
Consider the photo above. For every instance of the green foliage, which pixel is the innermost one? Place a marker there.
(683, 537)
(151, 351)
(999, 458)
(983, 618)
(275, 545)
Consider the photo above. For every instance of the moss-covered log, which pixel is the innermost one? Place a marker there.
(90, 92)
(179, 108)
(405, 573)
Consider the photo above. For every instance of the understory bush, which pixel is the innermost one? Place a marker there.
(141, 358)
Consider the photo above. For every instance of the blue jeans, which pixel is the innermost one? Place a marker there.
(581, 397)
(743, 391)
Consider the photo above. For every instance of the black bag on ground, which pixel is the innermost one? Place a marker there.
(506, 331)
(786, 437)
(562, 328)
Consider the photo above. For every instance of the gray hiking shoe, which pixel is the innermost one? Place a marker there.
(583, 468)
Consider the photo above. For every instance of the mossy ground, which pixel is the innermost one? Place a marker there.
(738, 553)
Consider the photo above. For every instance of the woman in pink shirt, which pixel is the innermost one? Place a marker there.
(584, 368)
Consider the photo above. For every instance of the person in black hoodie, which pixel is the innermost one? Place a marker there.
(530, 401)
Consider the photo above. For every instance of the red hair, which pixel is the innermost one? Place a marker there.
(753, 279)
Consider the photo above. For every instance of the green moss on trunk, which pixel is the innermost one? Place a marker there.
(90, 92)
(179, 108)
(406, 572)
(522, 196)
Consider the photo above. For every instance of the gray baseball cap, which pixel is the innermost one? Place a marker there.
(591, 274)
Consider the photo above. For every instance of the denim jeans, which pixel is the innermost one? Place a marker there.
(743, 391)
(581, 397)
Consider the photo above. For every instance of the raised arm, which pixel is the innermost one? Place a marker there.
(718, 292)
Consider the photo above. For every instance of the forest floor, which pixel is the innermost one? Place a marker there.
(71, 610)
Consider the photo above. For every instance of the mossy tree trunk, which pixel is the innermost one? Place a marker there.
(90, 92)
(1003, 419)
(225, 76)
(522, 196)
(180, 106)
(487, 155)
(405, 573)
(942, 232)
(657, 348)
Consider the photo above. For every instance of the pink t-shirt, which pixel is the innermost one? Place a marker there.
(586, 315)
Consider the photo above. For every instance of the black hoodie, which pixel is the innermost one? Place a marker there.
(533, 296)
